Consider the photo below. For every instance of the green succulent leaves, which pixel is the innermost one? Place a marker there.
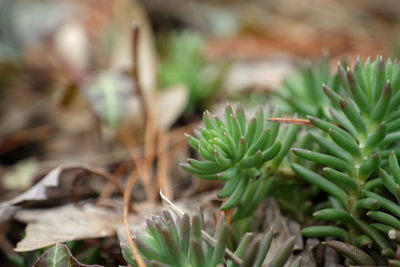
(178, 243)
(301, 93)
(234, 149)
(363, 123)
(351, 153)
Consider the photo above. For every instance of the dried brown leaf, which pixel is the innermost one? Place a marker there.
(42, 189)
(70, 222)
(37, 192)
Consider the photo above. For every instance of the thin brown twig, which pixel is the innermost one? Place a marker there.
(137, 160)
(107, 176)
(135, 69)
(176, 144)
(149, 120)
(292, 121)
(167, 149)
(149, 151)
(127, 199)
(98, 172)
(297, 121)
(118, 174)
(175, 138)
(163, 164)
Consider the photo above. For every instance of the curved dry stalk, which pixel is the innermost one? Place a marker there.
(145, 170)
(164, 164)
(149, 153)
(107, 176)
(127, 199)
(118, 174)
(96, 171)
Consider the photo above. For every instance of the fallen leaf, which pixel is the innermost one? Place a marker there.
(42, 189)
(37, 192)
(47, 227)
(57, 256)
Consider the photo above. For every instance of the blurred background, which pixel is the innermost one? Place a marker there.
(111, 82)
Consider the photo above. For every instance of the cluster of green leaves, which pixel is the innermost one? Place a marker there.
(235, 151)
(356, 145)
(180, 242)
(301, 92)
(350, 152)
(182, 62)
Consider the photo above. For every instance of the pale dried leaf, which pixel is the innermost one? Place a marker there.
(38, 191)
(41, 190)
(47, 227)
(35, 193)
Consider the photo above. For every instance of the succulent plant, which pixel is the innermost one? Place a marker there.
(180, 243)
(235, 151)
(350, 152)
(182, 62)
(364, 128)
(301, 92)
